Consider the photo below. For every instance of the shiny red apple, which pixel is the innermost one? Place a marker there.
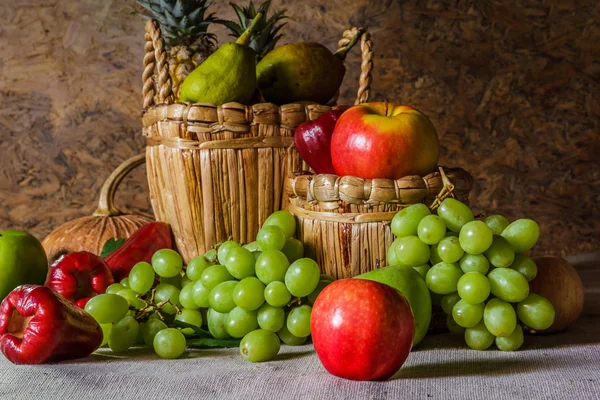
(362, 330)
(313, 141)
(382, 140)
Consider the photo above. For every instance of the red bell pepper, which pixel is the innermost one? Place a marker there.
(79, 276)
(313, 141)
(140, 246)
(38, 325)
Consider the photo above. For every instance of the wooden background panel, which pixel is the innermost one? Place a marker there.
(512, 87)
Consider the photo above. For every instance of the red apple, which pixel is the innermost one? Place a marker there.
(362, 330)
(382, 140)
(313, 140)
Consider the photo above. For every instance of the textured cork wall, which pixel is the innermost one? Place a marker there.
(512, 87)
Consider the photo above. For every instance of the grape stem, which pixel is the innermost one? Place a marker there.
(296, 300)
(447, 191)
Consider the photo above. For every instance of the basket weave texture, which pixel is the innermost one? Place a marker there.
(344, 222)
(217, 172)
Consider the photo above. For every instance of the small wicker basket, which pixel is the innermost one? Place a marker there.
(344, 222)
(216, 173)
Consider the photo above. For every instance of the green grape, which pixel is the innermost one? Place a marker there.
(475, 237)
(499, 317)
(467, 315)
(451, 234)
(431, 229)
(169, 343)
(422, 270)
(411, 252)
(271, 266)
(249, 293)
(497, 223)
(448, 301)
(196, 267)
(312, 297)
(221, 297)
(223, 249)
(329, 278)
(123, 334)
(508, 285)
(239, 322)
(454, 214)
(252, 246)
(141, 277)
(478, 337)
(271, 237)
(443, 278)
(256, 254)
(298, 321)
(150, 329)
(131, 296)
(240, 262)
(216, 324)
(525, 266)
(125, 283)
(260, 345)
(200, 295)
(277, 294)
(293, 249)
(185, 280)
(434, 257)
(211, 256)
(500, 254)
(522, 234)
(165, 291)
(286, 337)
(302, 277)
(167, 263)
(106, 328)
(270, 318)
(284, 220)
(114, 288)
(536, 312)
(449, 249)
(512, 342)
(474, 263)
(190, 317)
(107, 308)
(214, 275)
(174, 280)
(453, 327)
(473, 288)
(406, 221)
(186, 297)
(391, 258)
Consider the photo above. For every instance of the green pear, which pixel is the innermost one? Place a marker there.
(227, 75)
(22, 260)
(408, 282)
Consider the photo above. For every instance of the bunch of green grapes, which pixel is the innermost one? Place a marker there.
(261, 293)
(478, 266)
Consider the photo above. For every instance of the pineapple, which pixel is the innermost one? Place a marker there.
(184, 25)
(265, 37)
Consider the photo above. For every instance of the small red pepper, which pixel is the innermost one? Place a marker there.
(140, 246)
(312, 139)
(38, 325)
(79, 276)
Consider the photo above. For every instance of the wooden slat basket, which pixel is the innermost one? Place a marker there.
(344, 222)
(217, 172)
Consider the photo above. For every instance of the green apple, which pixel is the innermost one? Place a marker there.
(408, 282)
(22, 260)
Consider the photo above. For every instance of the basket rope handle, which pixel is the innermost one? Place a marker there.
(106, 206)
(155, 54)
(366, 66)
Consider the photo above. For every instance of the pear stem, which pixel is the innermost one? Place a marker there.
(245, 37)
(341, 53)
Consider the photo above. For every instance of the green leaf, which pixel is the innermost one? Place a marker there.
(111, 245)
(198, 332)
(212, 343)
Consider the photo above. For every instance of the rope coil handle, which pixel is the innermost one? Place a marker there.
(158, 86)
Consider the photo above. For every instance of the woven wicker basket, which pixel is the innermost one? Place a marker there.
(344, 222)
(216, 173)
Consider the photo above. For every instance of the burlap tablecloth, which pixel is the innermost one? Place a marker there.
(560, 366)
